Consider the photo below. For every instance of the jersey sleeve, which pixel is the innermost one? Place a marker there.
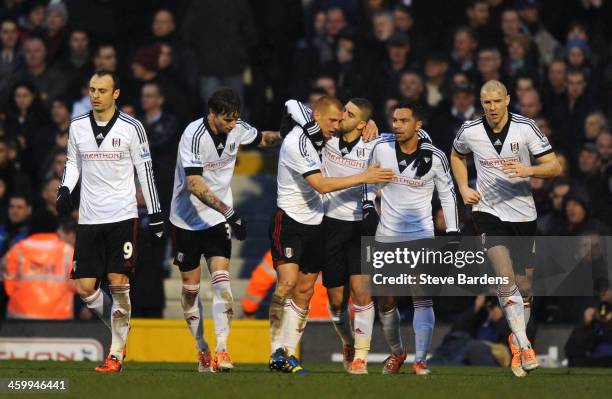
(537, 143)
(299, 112)
(249, 136)
(446, 190)
(189, 151)
(72, 168)
(302, 158)
(141, 158)
(460, 144)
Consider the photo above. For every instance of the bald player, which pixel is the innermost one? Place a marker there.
(295, 231)
(502, 144)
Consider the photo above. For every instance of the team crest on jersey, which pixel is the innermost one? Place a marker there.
(116, 143)
(289, 252)
(232, 146)
(144, 152)
(360, 152)
(514, 147)
(180, 256)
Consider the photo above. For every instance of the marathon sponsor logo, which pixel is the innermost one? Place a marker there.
(406, 181)
(218, 164)
(338, 159)
(102, 155)
(497, 163)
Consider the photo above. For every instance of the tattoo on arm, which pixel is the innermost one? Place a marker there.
(198, 187)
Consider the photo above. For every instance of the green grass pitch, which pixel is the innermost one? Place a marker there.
(180, 380)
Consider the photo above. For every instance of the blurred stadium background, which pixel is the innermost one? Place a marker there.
(554, 56)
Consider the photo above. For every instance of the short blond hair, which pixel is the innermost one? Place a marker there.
(493, 85)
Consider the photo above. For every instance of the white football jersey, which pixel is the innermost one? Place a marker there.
(108, 190)
(213, 156)
(406, 211)
(509, 199)
(298, 159)
(340, 159)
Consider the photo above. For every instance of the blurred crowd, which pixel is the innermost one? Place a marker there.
(554, 57)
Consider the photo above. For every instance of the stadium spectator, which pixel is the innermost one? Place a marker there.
(578, 220)
(594, 124)
(604, 147)
(14, 178)
(50, 82)
(449, 117)
(349, 71)
(32, 22)
(25, 114)
(589, 344)
(547, 45)
(511, 25)
(519, 60)
(16, 227)
(437, 85)
(555, 84)
(229, 33)
(464, 51)
(180, 60)
(56, 32)
(411, 88)
(554, 220)
(82, 105)
(396, 62)
(477, 13)
(10, 56)
(530, 104)
(163, 134)
(37, 275)
(404, 22)
(106, 58)
(76, 62)
(489, 67)
(48, 194)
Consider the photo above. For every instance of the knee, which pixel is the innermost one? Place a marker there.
(85, 290)
(361, 297)
(336, 300)
(386, 304)
(305, 291)
(285, 287)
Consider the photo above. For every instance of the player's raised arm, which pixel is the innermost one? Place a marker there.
(269, 139)
(446, 191)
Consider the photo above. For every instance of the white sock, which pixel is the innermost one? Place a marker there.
(276, 312)
(222, 310)
(293, 328)
(526, 314)
(391, 330)
(193, 310)
(511, 303)
(120, 319)
(342, 324)
(423, 323)
(100, 303)
(364, 321)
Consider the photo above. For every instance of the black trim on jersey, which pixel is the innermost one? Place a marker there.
(302, 145)
(79, 117)
(142, 135)
(495, 137)
(469, 124)
(543, 153)
(401, 156)
(97, 130)
(346, 145)
(142, 139)
(195, 140)
(443, 159)
(193, 171)
(310, 172)
(219, 139)
(526, 121)
(255, 143)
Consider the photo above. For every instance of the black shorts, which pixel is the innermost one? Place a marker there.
(190, 245)
(342, 255)
(493, 231)
(105, 248)
(294, 242)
